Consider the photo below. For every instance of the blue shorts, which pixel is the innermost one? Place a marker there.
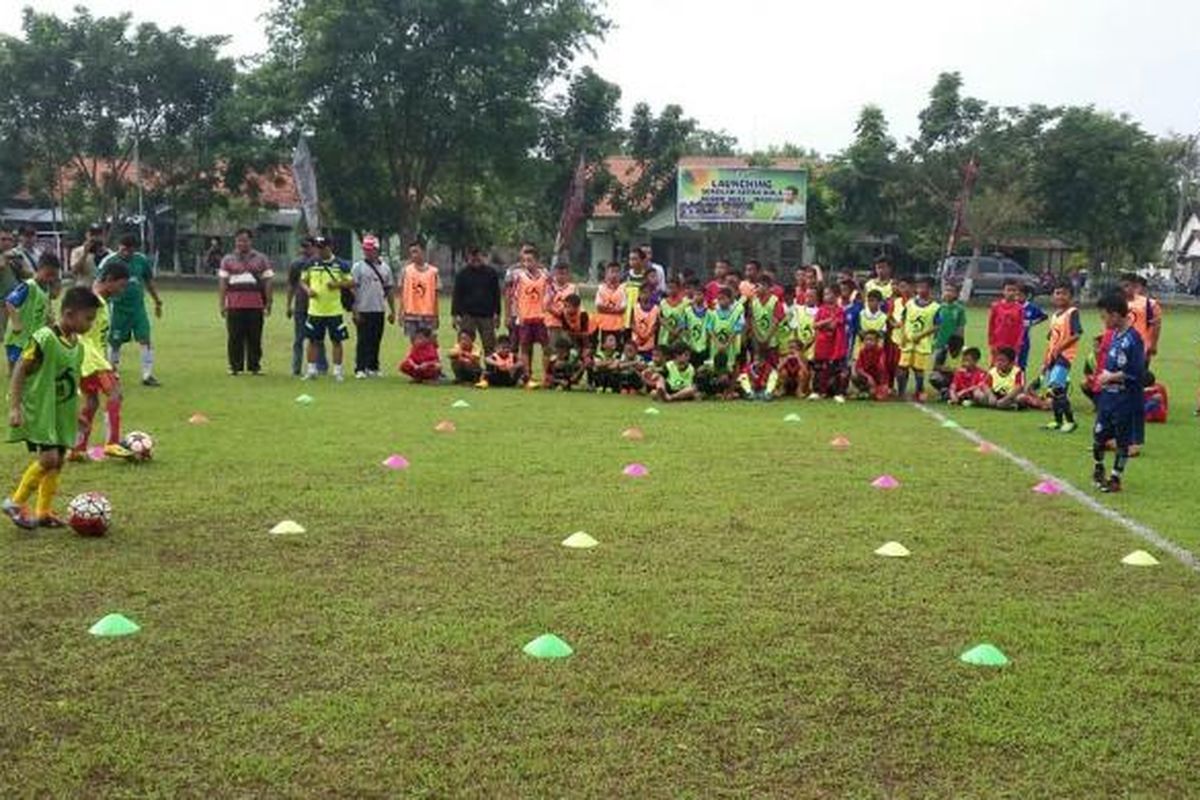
(1116, 424)
(13, 351)
(1058, 377)
(315, 328)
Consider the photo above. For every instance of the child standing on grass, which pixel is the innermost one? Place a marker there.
(423, 363)
(464, 359)
(531, 288)
(1065, 331)
(29, 307)
(828, 325)
(725, 325)
(948, 344)
(45, 406)
(502, 368)
(921, 324)
(897, 306)
(1119, 399)
(1031, 316)
(672, 316)
(610, 303)
(1006, 321)
(645, 323)
(697, 326)
(98, 375)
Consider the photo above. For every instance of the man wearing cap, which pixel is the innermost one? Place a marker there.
(323, 280)
(245, 299)
(374, 287)
(475, 304)
(87, 256)
(297, 310)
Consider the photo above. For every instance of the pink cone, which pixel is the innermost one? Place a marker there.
(986, 447)
(198, 419)
(840, 442)
(445, 426)
(636, 471)
(885, 482)
(96, 453)
(396, 462)
(1048, 487)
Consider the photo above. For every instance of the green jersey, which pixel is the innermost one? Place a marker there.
(672, 322)
(132, 301)
(50, 401)
(697, 328)
(725, 329)
(678, 378)
(919, 318)
(762, 318)
(32, 303)
(953, 323)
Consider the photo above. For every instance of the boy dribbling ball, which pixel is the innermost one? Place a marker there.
(45, 405)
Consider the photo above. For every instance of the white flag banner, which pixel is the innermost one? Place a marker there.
(305, 173)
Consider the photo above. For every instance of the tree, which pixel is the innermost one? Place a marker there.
(863, 173)
(1104, 179)
(395, 93)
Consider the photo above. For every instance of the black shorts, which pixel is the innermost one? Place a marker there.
(34, 447)
(1115, 425)
(315, 328)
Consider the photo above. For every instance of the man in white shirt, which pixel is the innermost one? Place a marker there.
(374, 297)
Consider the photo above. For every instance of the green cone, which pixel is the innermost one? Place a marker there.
(548, 646)
(792, 418)
(652, 411)
(950, 424)
(460, 404)
(984, 655)
(114, 625)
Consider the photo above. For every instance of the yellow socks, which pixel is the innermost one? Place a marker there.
(46, 491)
(29, 481)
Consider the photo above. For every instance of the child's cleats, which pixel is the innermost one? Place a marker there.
(114, 450)
(51, 520)
(1052, 426)
(1068, 427)
(1112, 486)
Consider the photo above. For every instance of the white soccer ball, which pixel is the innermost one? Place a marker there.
(89, 514)
(140, 444)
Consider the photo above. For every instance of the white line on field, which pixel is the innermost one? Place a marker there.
(1184, 556)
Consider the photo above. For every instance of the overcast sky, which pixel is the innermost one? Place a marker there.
(770, 71)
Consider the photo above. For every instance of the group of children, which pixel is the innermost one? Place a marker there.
(60, 369)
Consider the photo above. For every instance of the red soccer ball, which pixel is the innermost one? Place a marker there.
(89, 514)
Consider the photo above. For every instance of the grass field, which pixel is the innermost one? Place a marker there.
(734, 633)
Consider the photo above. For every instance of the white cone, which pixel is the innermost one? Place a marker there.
(288, 526)
(579, 541)
(893, 550)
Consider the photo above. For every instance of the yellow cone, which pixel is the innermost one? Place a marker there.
(579, 541)
(1139, 558)
(893, 550)
(288, 526)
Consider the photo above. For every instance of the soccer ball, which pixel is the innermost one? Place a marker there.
(89, 514)
(140, 444)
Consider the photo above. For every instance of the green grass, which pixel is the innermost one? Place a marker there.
(734, 634)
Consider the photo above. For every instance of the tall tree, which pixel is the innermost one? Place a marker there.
(394, 92)
(863, 173)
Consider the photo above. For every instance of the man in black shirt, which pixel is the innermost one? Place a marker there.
(475, 304)
(297, 309)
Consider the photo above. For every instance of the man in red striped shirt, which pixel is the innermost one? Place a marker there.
(245, 298)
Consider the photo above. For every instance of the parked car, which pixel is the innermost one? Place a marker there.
(989, 274)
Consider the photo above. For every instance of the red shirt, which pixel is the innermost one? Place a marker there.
(1156, 403)
(712, 290)
(1006, 325)
(423, 353)
(873, 361)
(825, 344)
(965, 379)
(245, 279)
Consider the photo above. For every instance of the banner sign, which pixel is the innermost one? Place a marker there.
(745, 195)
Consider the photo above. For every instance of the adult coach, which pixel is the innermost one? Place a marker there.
(129, 319)
(244, 296)
(323, 279)
(89, 255)
(297, 310)
(374, 287)
(475, 304)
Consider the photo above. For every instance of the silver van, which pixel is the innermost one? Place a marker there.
(988, 272)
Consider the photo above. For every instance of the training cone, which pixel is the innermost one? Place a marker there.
(548, 646)
(840, 443)
(96, 453)
(445, 426)
(636, 471)
(1048, 487)
(893, 550)
(950, 424)
(885, 482)
(792, 418)
(579, 541)
(1139, 558)
(984, 655)
(460, 404)
(198, 419)
(652, 411)
(396, 461)
(986, 447)
(305, 399)
(288, 526)
(114, 625)
(633, 434)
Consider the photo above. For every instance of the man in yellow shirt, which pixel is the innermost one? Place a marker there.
(323, 280)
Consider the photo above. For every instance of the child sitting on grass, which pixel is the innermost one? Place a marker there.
(870, 374)
(629, 370)
(565, 368)
(969, 380)
(464, 359)
(794, 377)
(759, 377)
(602, 370)
(679, 381)
(423, 363)
(714, 379)
(502, 368)
(1005, 387)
